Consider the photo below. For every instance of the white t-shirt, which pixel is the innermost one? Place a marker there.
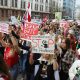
(73, 70)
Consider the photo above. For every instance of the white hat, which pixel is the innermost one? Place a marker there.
(78, 51)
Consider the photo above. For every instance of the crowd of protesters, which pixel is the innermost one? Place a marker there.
(16, 56)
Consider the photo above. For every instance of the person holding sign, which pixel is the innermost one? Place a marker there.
(45, 67)
(4, 70)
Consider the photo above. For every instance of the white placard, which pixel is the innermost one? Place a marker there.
(43, 44)
(14, 20)
(4, 28)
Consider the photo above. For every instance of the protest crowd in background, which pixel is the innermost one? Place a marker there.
(18, 55)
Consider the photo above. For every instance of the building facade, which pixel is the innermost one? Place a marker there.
(77, 12)
(40, 8)
(55, 6)
(52, 5)
(18, 7)
(68, 9)
(10, 8)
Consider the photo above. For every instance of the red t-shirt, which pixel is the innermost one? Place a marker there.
(10, 58)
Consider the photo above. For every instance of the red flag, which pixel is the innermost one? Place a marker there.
(29, 12)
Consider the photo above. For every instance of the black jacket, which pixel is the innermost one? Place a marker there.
(50, 71)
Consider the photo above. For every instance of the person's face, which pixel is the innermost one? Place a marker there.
(46, 56)
(59, 36)
(8, 44)
(51, 32)
(63, 44)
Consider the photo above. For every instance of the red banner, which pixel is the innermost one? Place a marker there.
(29, 29)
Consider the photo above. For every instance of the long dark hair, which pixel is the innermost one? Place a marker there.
(67, 41)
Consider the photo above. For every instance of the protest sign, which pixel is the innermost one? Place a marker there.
(14, 20)
(78, 22)
(4, 28)
(29, 29)
(58, 15)
(64, 24)
(43, 44)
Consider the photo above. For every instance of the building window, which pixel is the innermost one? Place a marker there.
(15, 3)
(21, 4)
(36, 6)
(46, 1)
(1, 2)
(24, 5)
(31, 5)
(6, 2)
(2, 13)
(41, 7)
(54, 3)
(64, 7)
(16, 13)
(46, 8)
(36, 0)
(41, 1)
(6, 13)
(64, 3)
(12, 3)
(13, 13)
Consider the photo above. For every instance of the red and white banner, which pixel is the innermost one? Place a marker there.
(4, 28)
(28, 30)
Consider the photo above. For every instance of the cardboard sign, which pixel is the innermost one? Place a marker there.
(4, 28)
(78, 21)
(43, 44)
(14, 20)
(29, 29)
(58, 15)
(64, 24)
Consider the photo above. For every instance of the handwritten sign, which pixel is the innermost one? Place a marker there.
(43, 44)
(29, 29)
(64, 24)
(14, 20)
(4, 28)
